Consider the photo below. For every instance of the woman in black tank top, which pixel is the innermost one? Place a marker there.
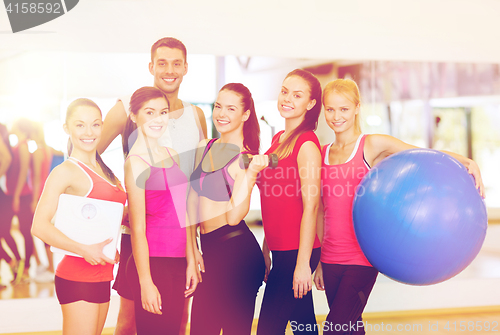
(220, 194)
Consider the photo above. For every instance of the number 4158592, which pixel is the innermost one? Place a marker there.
(471, 326)
(31, 7)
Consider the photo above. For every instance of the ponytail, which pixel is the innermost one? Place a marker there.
(70, 147)
(251, 131)
(107, 171)
(251, 128)
(129, 136)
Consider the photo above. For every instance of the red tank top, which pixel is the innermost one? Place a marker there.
(281, 198)
(13, 173)
(339, 185)
(77, 268)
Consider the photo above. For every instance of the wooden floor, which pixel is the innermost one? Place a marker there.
(460, 320)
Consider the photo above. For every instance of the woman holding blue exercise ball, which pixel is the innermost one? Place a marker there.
(344, 272)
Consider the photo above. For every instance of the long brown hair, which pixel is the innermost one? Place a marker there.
(251, 128)
(310, 121)
(69, 112)
(137, 101)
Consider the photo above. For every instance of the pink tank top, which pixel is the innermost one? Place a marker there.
(165, 198)
(339, 185)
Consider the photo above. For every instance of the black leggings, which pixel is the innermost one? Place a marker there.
(235, 268)
(347, 289)
(279, 304)
(169, 277)
(6, 215)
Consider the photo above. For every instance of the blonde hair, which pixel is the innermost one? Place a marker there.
(350, 90)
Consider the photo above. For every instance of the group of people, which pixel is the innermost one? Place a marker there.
(23, 172)
(181, 186)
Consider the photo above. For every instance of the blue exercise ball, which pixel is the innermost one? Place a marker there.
(418, 217)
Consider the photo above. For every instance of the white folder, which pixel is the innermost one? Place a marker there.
(89, 221)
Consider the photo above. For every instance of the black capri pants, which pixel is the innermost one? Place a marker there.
(234, 271)
(347, 289)
(279, 304)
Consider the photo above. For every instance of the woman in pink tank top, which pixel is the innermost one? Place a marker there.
(161, 270)
(83, 284)
(344, 272)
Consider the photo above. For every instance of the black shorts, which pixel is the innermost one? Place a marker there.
(69, 291)
(121, 284)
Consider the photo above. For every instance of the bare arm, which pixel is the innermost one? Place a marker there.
(150, 296)
(320, 229)
(318, 273)
(192, 202)
(57, 183)
(192, 211)
(320, 221)
(113, 125)
(192, 278)
(5, 158)
(267, 258)
(201, 122)
(239, 205)
(192, 271)
(378, 147)
(309, 159)
(473, 169)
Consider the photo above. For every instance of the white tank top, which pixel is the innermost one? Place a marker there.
(182, 135)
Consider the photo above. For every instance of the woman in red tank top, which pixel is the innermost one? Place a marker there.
(289, 200)
(344, 272)
(82, 283)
